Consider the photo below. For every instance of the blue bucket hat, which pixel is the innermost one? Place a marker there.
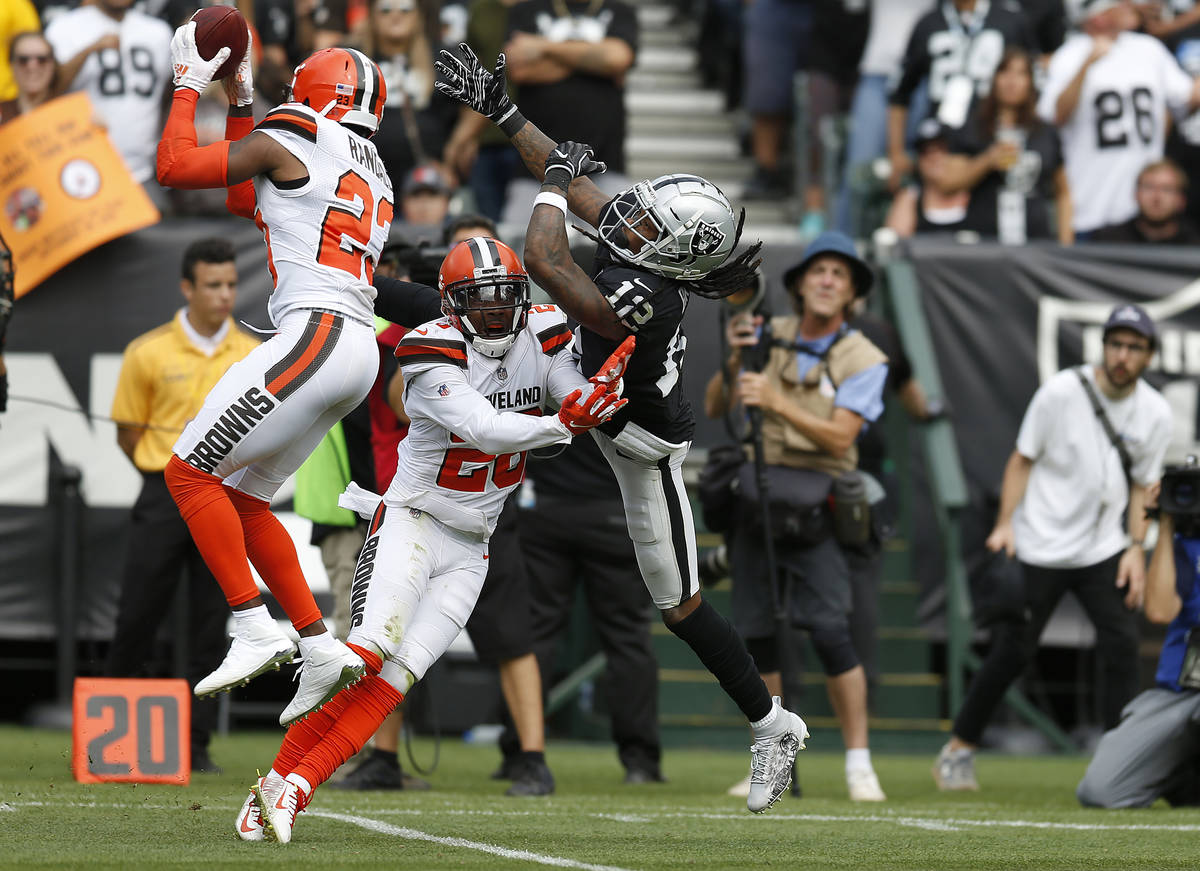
(833, 242)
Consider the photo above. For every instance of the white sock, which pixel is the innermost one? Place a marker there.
(324, 641)
(858, 759)
(256, 617)
(300, 782)
(769, 720)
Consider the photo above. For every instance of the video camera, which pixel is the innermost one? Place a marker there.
(420, 262)
(1180, 495)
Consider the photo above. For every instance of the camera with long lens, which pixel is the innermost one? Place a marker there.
(421, 263)
(1180, 494)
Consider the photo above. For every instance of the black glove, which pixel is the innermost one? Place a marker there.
(466, 80)
(3, 391)
(568, 161)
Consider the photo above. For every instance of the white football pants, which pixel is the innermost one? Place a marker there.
(657, 511)
(271, 409)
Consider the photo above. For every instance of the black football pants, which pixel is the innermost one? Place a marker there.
(568, 543)
(1014, 644)
(159, 549)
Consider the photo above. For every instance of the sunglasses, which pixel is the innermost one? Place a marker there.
(30, 59)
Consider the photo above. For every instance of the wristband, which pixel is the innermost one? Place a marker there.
(560, 177)
(550, 198)
(511, 122)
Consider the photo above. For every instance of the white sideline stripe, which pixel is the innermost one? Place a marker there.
(930, 822)
(503, 852)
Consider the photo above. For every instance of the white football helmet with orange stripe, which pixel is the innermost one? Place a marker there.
(485, 293)
(344, 85)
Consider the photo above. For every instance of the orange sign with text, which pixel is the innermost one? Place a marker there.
(132, 730)
(63, 189)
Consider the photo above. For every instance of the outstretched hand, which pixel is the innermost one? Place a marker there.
(464, 78)
(610, 374)
(580, 414)
(569, 160)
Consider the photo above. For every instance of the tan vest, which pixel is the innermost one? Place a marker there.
(783, 444)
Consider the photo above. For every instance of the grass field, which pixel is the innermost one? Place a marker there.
(1026, 817)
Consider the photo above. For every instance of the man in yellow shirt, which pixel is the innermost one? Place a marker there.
(165, 376)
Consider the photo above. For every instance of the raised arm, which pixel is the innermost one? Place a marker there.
(464, 78)
(548, 253)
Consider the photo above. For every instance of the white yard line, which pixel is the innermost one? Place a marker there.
(930, 822)
(504, 852)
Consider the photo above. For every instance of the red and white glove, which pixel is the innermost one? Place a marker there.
(191, 70)
(611, 373)
(579, 414)
(242, 81)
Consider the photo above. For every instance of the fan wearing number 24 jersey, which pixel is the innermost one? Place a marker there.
(312, 181)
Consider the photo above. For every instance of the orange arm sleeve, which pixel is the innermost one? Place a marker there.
(240, 200)
(181, 162)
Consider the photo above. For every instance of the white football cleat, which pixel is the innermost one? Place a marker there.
(771, 758)
(279, 810)
(324, 673)
(255, 649)
(249, 823)
(864, 785)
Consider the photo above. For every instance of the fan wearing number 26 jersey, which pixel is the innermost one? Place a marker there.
(313, 183)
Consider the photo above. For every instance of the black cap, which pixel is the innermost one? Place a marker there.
(1128, 316)
(930, 130)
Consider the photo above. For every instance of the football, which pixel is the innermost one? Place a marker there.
(216, 28)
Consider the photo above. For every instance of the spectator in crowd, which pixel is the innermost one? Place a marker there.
(1092, 440)
(16, 16)
(424, 205)
(34, 70)
(1010, 162)
(839, 34)
(570, 58)
(890, 25)
(967, 39)
(165, 375)
(420, 119)
(122, 59)
(1152, 753)
(477, 151)
(1161, 200)
(573, 537)
(778, 37)
(1109, 89)
(926, 207)
(820, 383)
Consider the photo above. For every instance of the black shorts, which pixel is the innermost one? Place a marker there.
(500, 626)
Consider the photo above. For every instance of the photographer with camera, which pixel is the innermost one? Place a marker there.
(810, 382)
(1155, 750)
(1092, 441)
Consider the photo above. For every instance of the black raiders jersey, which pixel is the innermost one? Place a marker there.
(652, 307)
(946, 45)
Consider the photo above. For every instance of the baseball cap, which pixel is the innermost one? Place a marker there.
(426, 178)
(1082, 10)
(1128, 316)
(930, 130)
(833, 242)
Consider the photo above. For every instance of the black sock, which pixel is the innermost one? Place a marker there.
(724, 654)
(387, 756)
(534, 756)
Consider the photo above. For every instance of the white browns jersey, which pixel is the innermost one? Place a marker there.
(1119, 124)
(125, 84)
(323, 237)
(474, 417)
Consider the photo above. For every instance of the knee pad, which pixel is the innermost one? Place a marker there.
(834, 648)
(765, 652)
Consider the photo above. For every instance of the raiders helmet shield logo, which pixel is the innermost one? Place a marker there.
(707, 239)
